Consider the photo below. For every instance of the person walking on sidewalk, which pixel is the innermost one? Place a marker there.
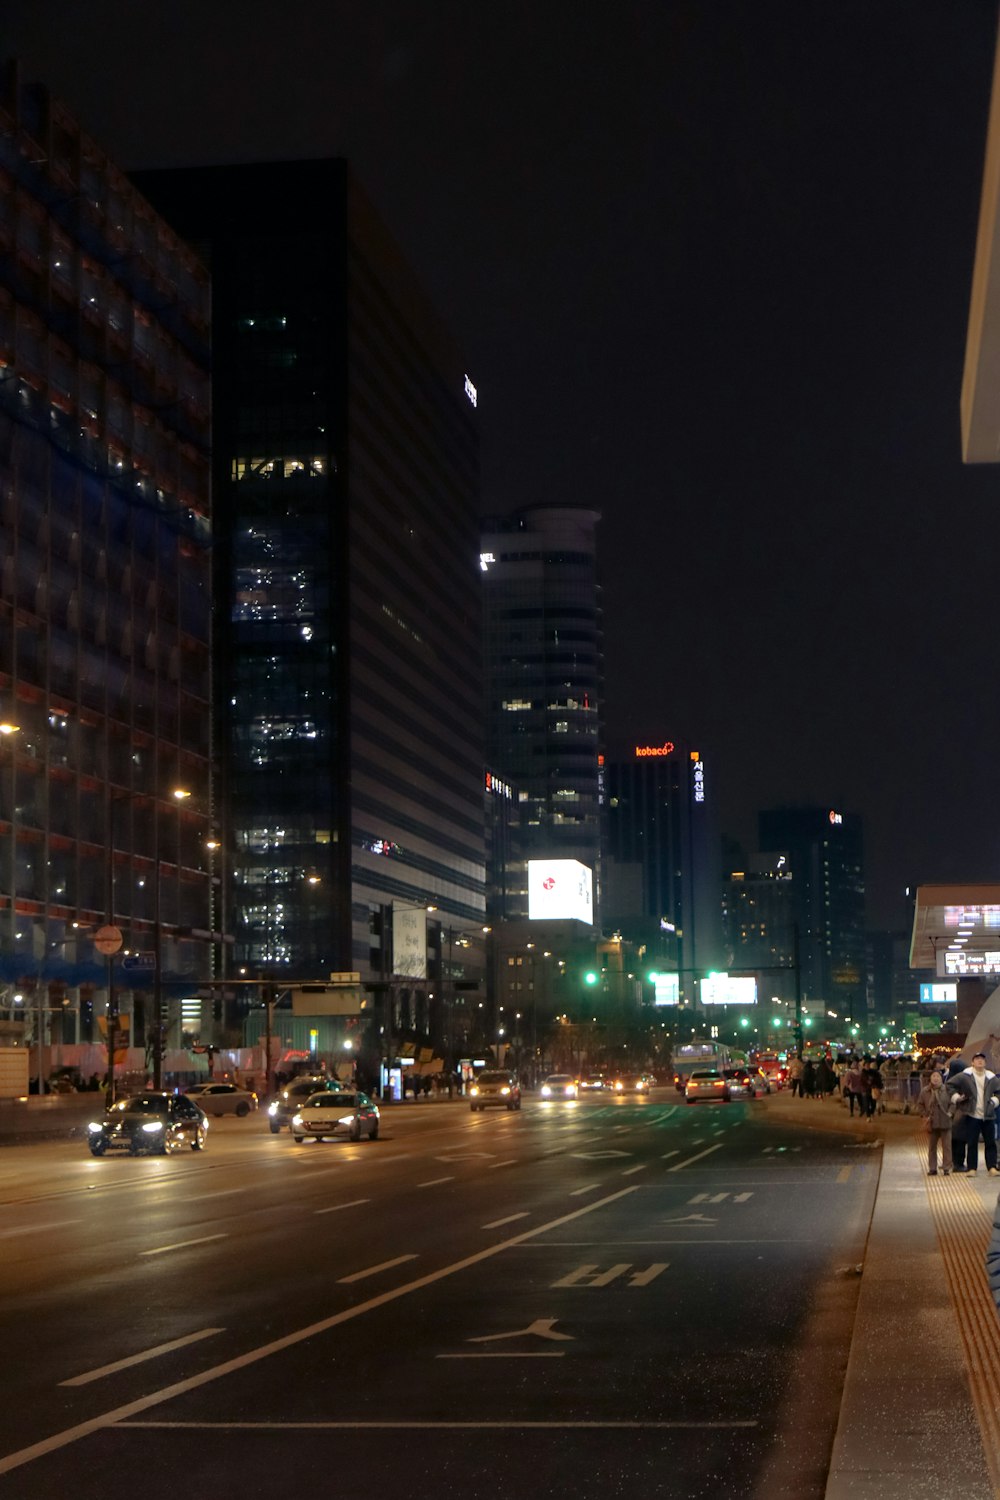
(853, 1088)
(796, 1070)
(976, 1090)
(937, 1105)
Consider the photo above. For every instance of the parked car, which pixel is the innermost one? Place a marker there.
(494, 1088)
(222, 1098)
(292, 1096)
(559, 1086)
(151, 1122)
(332, 1112)
(706, 1083)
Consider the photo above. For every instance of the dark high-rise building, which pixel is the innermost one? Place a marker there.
(105, 607)
(544, 682)
(346, 487)
(759, 920)
(662, 867)
(823, 849)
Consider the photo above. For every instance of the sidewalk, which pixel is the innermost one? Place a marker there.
(921, 1402)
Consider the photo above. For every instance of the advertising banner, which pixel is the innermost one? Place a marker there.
(409, 942)
(725, 989)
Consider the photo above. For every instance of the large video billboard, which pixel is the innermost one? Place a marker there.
(725, 989)
(560, 889)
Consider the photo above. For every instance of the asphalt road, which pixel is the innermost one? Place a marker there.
(570, 1300)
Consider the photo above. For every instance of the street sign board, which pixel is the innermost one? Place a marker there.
(346, 977)
(133, 961)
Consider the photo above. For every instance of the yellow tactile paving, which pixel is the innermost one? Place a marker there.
(962, 1223)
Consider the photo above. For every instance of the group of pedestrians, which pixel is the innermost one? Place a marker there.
(960, 1111)
(813, 1079)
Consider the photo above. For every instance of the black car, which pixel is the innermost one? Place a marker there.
(155, 1123)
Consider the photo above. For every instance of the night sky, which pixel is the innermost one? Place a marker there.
(710, 262)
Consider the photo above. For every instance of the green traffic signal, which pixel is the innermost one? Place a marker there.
(590, 977)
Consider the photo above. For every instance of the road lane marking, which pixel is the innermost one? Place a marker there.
(591, 1275)
(434, 1181)
(742, 1197)
(6, 1234)
(336, 1207)
(121, 1414)
(510, 1162)
(137, 1359)
(404, 1426)
(668, 1154)
(691, 1159)
(590, 1188)
(542, 1328)
(508, 1220)
(183, 1244)
(220, 1193)
(508, 1354)
(630, 1170)
(385, 1265)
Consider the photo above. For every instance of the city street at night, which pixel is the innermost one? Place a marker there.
(599, 1293)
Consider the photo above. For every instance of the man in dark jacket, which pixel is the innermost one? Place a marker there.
(976, 1091)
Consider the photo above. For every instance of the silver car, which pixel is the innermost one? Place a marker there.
(707, 1083)
(222, 1098)
(328, 1114)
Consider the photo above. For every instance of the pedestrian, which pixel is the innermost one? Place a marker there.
(976, 1090)
(824, 1077)
(808, 1084)
(874, 1086)
(958, 1132)
(853, 1088)
(796, 1071)
(937, 1105)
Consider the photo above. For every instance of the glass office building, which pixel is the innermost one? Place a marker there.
(544, 682)
(105, 606)
(346, 492)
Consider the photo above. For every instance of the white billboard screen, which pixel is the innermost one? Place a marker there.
(667, 989)
(409, 942)
(724, 989)
(939, 994)
(560, 889)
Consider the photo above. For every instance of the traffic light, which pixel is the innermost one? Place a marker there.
(591, 977)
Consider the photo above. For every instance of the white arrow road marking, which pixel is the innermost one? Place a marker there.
(137, 1359)
(691, 1219)
(541, 1328)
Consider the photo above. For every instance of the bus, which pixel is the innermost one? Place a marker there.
(704, 1055)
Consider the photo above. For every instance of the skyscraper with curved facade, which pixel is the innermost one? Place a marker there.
(544, 682)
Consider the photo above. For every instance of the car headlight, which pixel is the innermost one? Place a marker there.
(571, 1089)
(152, 1126)
(546, 1091)
(272, 1108)
(346, 1120)
(95, 1125)
(474, 1089)
(505, 1090)
(296, 1119)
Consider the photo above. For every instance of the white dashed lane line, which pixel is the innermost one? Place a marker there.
(336, 1207)
(434, 1181)
(138, 1359)
(496, 1223)
(184, 1244)
(385, 1265)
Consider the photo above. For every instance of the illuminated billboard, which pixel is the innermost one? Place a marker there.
(939, 994)
(560, 888)
(962, 963)
(725, 989)
(666, 989)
